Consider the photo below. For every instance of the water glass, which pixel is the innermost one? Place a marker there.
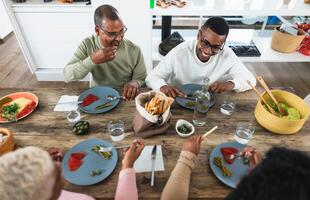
(244, 132)
(201, 108)
(116, 130)
(228, 107)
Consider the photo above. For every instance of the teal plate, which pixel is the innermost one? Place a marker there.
(191, 89)
(92, 161)
(237, 168)
(101, 92)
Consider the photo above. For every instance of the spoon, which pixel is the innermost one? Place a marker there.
(263, 100)
(107, 149)
(282, 111)
(112, 98)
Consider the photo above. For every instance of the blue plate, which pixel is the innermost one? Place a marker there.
(191, 89)
(101, 92)
(237, 168)
(92, 161)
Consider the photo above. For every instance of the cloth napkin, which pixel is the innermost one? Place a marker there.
(144, 162)
(63, 107)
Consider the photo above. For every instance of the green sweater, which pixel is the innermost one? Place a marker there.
(126, 66)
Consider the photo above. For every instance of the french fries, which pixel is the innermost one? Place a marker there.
(158, 104)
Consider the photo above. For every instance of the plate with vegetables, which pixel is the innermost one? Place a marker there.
(86, 164)
(16, 106)
(227, 169)
(190, 101)
(95, 101)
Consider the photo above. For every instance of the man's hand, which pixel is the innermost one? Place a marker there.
(171, 91)
(104, 55)
(131, 90)
(193, 144)
(56, 154)
(218, 87)
(253, 154)
(132, 154)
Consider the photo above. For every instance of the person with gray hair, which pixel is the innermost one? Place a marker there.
(111, 59)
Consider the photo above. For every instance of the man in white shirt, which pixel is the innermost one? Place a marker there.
(205, 57)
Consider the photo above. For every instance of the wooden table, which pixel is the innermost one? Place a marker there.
(45, 128)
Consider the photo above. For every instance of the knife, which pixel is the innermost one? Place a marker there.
(153, 157)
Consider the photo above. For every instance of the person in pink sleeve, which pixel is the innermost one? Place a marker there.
(127, 186)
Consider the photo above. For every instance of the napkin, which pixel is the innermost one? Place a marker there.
(144, 162)
(66, 106)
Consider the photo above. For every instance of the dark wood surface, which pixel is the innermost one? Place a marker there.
(45, 128)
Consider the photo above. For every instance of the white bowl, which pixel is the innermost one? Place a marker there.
(181, 122)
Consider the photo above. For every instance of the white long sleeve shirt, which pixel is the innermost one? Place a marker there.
(182, 66)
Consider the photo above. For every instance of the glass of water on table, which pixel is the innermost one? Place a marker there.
(116, 130)
(244, 132)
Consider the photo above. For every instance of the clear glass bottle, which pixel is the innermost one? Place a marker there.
(203, 98)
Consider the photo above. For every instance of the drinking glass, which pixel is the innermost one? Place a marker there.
(116, 130)
(244, 132)
(201, 108)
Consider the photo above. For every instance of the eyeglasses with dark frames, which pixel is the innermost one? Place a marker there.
(206, 44)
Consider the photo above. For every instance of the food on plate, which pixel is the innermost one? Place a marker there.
(158, 104)
(105, 105)
(227, 152)
(9, 112)
(76, 160)
(184, 129)
(190, 104)
(17, 108)
(95, 172)
(89, 99)
(218, 161)
(107, 155)
(4, 101)
(81, 128)
(293, 113)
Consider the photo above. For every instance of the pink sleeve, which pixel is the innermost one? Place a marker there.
(127, 186)
(66, 195)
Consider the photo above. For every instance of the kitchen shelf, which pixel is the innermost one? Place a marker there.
(236, 8)
(244, 35)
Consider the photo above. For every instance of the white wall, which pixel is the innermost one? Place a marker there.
(5, 24)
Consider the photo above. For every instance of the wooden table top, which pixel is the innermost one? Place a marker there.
(45, 128)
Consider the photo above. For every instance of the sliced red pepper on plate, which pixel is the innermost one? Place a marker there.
(76, 160)
(226, 152)
(78, 155)
(89, 99)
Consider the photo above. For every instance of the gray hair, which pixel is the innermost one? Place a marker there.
(105, 12)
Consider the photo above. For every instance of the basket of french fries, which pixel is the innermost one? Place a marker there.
(153, 114)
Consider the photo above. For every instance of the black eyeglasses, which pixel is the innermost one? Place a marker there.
(115, 34)
(206, 44)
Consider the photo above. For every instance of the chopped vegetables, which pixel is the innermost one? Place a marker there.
(190, 103)
(76, 160)
(184, 129)
(105, 154)
(95, 172)
(89, 99)
(4, 101)
(227, 152)
(105, 105)
(293, 113)
(218, 161)
(81, 128)
(9, 112)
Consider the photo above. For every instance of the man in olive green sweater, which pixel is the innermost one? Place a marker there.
(111, 59)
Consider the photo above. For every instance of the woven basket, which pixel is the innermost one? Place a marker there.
(286, 43)
(8, 144)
